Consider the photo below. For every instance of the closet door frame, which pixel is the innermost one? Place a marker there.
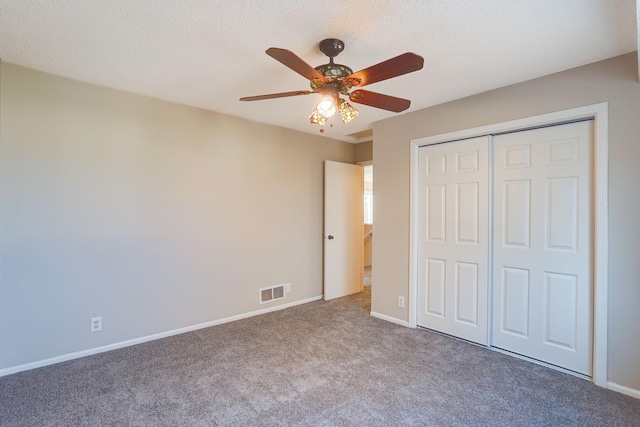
(599, 113)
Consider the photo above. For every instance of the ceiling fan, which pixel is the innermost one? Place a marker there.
(332, 80)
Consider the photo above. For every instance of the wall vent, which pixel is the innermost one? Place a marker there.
(271, 294)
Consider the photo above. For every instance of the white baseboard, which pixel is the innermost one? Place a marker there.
(390, 319)
(624, 390)
(122, 344)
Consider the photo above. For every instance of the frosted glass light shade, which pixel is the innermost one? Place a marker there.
(326, 106)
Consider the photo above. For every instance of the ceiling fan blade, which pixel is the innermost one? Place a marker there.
(276, 95)
(402, 64)
(291, 60)
(378, 100)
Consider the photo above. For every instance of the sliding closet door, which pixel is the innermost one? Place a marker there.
(542, 293)
(453, 238)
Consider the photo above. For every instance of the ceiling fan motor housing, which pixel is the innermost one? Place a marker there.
(334, 71)
(332, 48)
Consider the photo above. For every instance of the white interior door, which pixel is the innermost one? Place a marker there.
(453, 246)
(343, 229)
(542, 294)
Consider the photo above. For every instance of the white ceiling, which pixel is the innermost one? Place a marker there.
(210, 53)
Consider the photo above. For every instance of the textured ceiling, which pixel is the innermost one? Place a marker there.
(210, 53)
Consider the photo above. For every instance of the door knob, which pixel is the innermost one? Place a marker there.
(330, 237)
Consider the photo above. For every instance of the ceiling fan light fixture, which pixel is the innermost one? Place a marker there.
(327, 106)
(334, 80)
(347, 112)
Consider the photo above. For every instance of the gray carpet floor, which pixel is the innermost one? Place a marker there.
(319, 364)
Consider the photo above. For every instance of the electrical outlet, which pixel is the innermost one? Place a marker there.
(401, 302)
(287, 287)
(96, 324)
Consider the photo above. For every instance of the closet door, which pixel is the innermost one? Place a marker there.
(542, 292)
(453, 238)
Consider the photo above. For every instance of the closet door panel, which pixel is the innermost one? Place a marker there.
(453, 238)
(542, 294)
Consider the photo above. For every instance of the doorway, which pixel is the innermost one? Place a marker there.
(367, 199)
(343, 229)
(348, 230)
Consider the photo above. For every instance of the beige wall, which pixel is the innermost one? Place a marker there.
(614, 81)
(364, 151)
(150, 214)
